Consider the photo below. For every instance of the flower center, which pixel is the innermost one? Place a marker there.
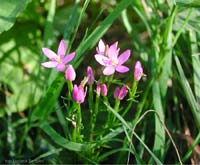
(114, 62)
(58, 59)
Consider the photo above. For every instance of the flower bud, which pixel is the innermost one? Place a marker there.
(98, 88)
(90, 75)
(138, 71)
(120, 93)
(70, 73)
(104, 90)
(116, 93)
(78, 94)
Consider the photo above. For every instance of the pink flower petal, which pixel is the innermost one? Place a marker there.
(123, 92)
(78, 93)
(124, 57)
(75, 92)
(49, 53)
(49, 64)
(68, 58)
(113, 51)
(109, 70)
(70, 73)
(115, 44)
(102, 60)
(101, 47)
(90, 75)
(61, 49)
(116, 93)
(60, 67)
(122, 69)
(104, 89)
(98, 88)
(138, 71)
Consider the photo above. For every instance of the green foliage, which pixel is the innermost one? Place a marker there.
(9, 10)
(36, 114)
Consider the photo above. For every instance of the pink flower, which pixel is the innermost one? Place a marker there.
(90, 75)
(70, 73)
(108, 57)
(120, 93)
(58, 60)
(78, 93)
(138, 71)
(104, 90)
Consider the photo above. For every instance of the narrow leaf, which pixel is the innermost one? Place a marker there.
(58, 139)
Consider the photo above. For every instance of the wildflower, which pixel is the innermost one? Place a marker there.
(78, 93)
(120, 93)
(70, 73)
(138, 71)
(90, 75)
(104, 90)
(58, 60)
(108, 57)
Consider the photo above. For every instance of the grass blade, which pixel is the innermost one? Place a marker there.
(128, 127)
(195, 64)
(188, 93)
(58, 139)
(159, 141)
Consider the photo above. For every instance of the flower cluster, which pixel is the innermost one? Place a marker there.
(112, 61)
(107, 56)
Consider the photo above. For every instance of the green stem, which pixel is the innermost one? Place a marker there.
(69, 110)
(116, 108)
(79, 122)
(131, 97)
(110, 78)
(70, 88)
(94, 116)
(77, 137)
(91, 98)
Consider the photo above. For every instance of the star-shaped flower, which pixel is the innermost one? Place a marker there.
(108, 57)
(58, 60)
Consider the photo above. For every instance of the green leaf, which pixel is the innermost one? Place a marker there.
(188, 93)
(19, 63)
(48, 101)
(63, 142)
(195, 63)
(188, 3)
(159, 142)
(9, 10)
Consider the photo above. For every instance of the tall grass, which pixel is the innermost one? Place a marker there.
(157, 122)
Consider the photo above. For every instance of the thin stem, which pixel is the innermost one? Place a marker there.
(131, 97)
(91, 98)
(110, 78)
(78, 126)
(116, 108)
(70, 88)
(94, 116)
(79, 122)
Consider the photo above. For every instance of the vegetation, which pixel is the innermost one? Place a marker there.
(97, 81)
